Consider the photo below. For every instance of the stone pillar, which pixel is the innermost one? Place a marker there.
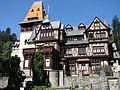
(54, 78)
(102, 73)
(80, 74)
(61, 78)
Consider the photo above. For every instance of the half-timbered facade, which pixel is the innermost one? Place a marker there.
(83, 48)
(88, 47)
(39, 34)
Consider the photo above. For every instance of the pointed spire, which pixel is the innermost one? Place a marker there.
(36, 11)
(105, 22)
(46, 20)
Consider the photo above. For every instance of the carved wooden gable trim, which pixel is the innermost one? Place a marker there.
(45, 32)
(97, 24)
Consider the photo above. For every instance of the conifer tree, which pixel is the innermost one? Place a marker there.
(116, 31)
(39, 74)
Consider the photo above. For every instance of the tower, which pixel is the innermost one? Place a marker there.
(36, 12)
(39, 34)
(35, 15)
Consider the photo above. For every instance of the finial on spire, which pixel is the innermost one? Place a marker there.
(105, 22)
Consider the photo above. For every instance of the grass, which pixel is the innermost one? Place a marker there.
(43, 88)
(92, 89)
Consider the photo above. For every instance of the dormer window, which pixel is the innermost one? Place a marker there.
(38, 9)
(46, 26)
(69, 27)
(32, 10)
(81, 26)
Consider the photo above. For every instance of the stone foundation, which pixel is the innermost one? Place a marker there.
(86, 82)
(3, 82)
(61, 82)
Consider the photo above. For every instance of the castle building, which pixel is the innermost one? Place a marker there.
(88, 47)
(73, 49)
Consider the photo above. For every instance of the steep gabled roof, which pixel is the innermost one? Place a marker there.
(54, 24)
(97, 20)
(36, 11)
(81, 25)
(69, 26)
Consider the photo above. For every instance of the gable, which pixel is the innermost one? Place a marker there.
(81, 25)
(69, 26)
(97, 24)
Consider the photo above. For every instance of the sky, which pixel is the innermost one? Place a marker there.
(71, 12)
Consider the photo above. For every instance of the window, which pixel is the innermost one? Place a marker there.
(102, 49)
(50, 33)
(26, 63)
(35, 18)
(97, 25)
(98, 49)
(72, 67)
(25, 42)
(80, 37)
(47, 62)
(75, 38)
(82, 28)
(103, 35)
(45, 26)
(69, 51)
(91, 35)
(41, 34)
(69, 29)
(32, 10)
(38, 9)
(100, 35)
(82, 50)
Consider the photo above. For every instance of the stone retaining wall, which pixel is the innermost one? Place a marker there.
(3, 82)
(61, 82)
(86, 82)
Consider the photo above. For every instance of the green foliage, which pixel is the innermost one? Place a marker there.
(108, 71)
(6, 41)
(116, 31)
(9, 64)
(6, 36)
(39, 74)
(15, 75)
(43, 88)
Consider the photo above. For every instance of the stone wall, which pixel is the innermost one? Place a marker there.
(61, 82)
(114, 84)
(86, 82)
(54, 78)
(3, 82)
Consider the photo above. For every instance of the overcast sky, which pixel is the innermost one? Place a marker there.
(71, 12)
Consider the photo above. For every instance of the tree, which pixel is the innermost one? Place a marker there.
(39, 74)
(6, 41)
(8, 31)
(116, 31)
(14, 37)
(15, 74)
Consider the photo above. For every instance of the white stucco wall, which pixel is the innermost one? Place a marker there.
(24, 36)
